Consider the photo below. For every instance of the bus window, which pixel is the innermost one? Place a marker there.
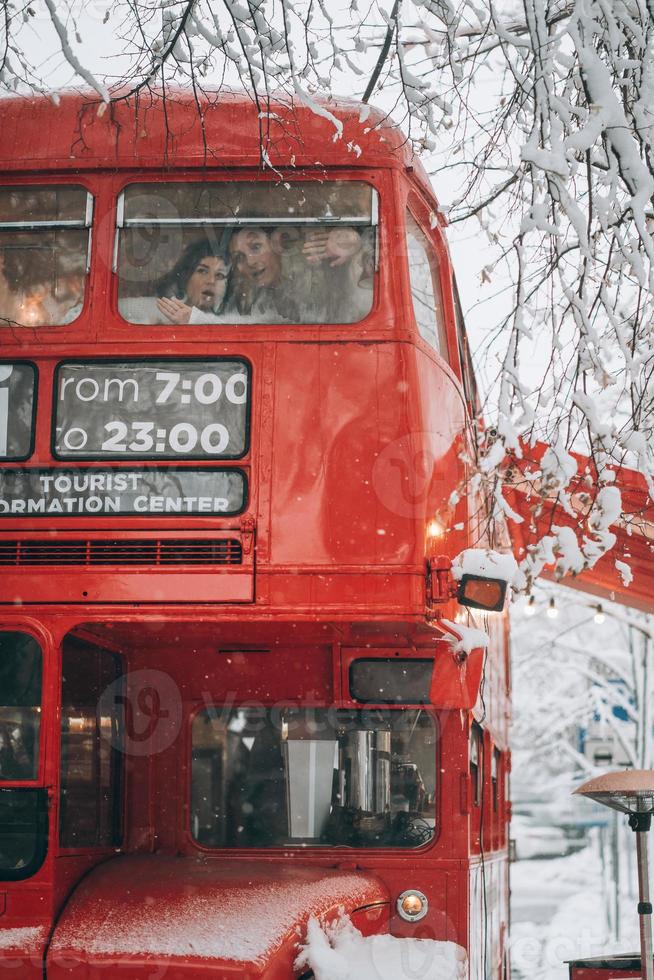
(17, 405)
(90, 796)
(23, 812)
(237, 252)
(476, 762)
(277, 777)
(20, 706)
(495, 771)
(425, 287)
(469, 381)
(44, 245)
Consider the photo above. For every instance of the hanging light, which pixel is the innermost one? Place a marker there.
(530, 608)
(600, 615)
(552, 611)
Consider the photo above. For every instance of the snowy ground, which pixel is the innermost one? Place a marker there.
(561, 910)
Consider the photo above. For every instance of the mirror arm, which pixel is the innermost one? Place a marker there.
(441, 587)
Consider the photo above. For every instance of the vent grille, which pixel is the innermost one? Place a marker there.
(130, 551)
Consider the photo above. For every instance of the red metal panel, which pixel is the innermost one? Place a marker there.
(73, 136)
(23, 587)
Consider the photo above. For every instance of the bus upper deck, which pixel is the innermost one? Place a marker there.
(270, 361)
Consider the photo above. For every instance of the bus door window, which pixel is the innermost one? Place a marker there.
(426, 292)
(91, 739)
(44, 254)
(326, 777)
(246, 252)
(23, 811)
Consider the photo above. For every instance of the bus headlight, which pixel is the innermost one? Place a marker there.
(412, 905)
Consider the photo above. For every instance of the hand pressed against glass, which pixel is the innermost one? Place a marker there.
(336, 245)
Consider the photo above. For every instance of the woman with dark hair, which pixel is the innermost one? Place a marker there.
(194, 291)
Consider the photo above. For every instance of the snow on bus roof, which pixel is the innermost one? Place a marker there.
(73, 131)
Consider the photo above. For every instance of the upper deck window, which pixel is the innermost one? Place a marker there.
(44, 245)
(247, 252)
(425, 286)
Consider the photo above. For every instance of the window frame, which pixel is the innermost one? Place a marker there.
(300, 847)
(468, 376)
(476, 738)
(37, 780)
(403, 661)
(438, 283)
(79, 180)
(153, 457)
(41, 831)
(382, 195)
(118, 822)
(10, 460)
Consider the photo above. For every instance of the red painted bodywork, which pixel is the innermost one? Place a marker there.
(191, 917)
(357, 433)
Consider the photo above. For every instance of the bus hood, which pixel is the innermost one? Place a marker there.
(150, 916)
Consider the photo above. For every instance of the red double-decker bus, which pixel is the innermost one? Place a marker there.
(235, 407)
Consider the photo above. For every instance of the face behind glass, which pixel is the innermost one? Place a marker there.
(255, 258)
(207, 284)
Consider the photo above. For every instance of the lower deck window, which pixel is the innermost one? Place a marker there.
(275, 777)
(23, 832)
(91, 740)
(20, 706)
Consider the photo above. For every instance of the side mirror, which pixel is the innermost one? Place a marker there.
(479, 592)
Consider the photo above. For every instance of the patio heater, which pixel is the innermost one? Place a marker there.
(632, 792)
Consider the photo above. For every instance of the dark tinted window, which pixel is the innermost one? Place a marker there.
(20, 706)
(391, 681)
(91, 729)
(23, 832)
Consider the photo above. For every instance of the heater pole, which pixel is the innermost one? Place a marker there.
(640, 823)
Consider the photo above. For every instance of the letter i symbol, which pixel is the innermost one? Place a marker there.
(5, 373)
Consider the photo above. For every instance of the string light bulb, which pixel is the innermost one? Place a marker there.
(552, 611)
(600, 615)
(530, 608)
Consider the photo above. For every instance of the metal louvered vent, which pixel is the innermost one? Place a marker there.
(130, 551)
